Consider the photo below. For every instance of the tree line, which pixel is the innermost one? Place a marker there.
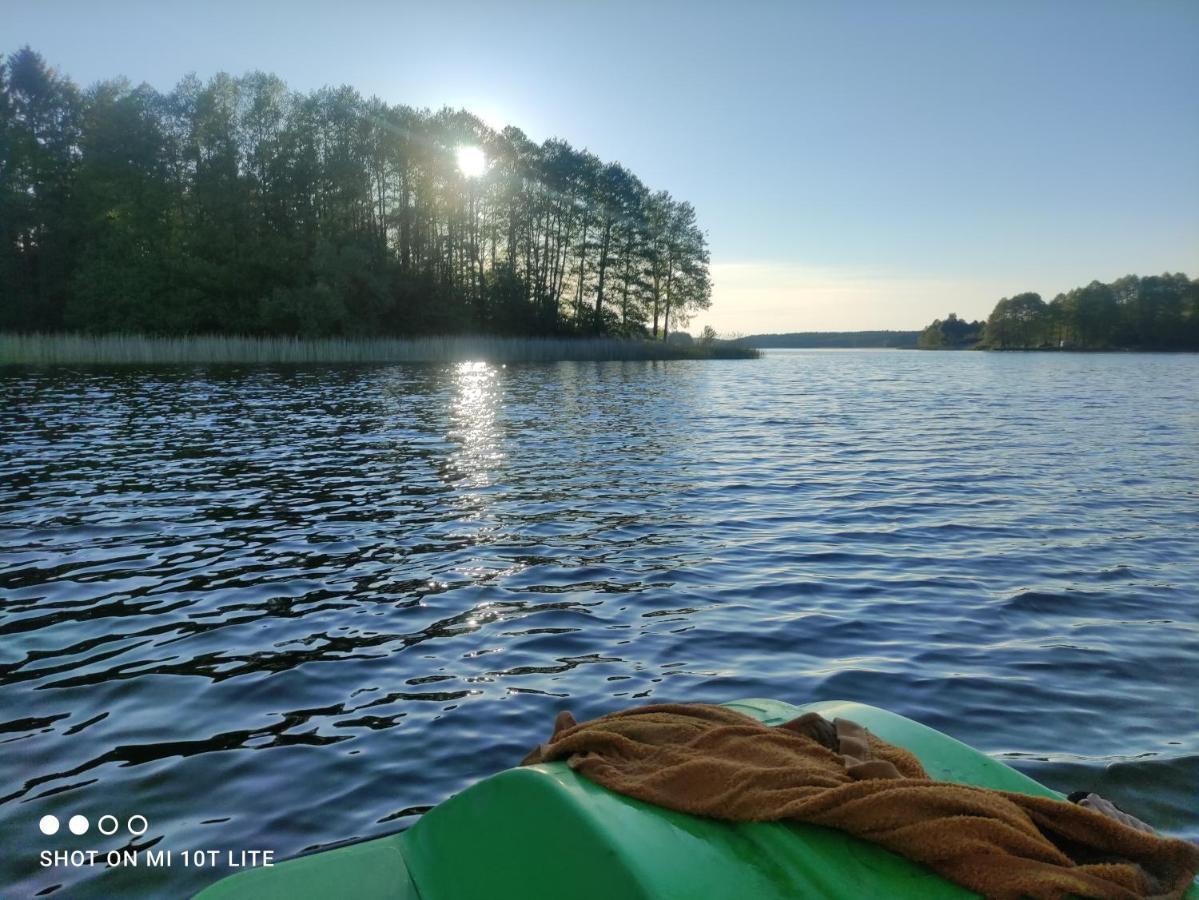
(1157, 312)
(833, 339)
(238, 206)
(951, 333)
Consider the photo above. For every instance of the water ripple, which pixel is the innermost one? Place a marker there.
(391, 578)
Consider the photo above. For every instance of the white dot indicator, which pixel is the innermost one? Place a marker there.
(78, 824)
(137, 831)
(48, 824)
(110, 828)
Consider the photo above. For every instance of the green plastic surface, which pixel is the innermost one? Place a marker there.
(543, 832)
(368, 869)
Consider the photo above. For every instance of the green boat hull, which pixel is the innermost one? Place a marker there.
(543, 832)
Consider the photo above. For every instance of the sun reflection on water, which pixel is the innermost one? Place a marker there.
(473, 427)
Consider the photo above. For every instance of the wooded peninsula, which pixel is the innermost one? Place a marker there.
(1159, 312)
(240, 207)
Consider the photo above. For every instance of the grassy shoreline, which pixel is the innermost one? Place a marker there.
(137, 349)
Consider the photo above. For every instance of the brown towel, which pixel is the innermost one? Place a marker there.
(711, 761)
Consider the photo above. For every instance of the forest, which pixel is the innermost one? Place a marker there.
(833, 339)
(1157, 312)
(240, 207)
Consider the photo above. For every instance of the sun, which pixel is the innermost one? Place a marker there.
(471, 161)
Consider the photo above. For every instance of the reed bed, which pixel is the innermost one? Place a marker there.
(137, 349)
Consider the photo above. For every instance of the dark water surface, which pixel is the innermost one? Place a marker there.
(279, 608)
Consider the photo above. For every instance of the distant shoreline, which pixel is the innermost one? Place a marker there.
(833, 340)
(1061, 349)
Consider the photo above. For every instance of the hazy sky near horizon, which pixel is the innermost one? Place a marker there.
(858, 165)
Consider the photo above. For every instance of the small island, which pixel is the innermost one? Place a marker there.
(1154, 313)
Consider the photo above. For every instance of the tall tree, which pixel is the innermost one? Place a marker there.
(42, 133)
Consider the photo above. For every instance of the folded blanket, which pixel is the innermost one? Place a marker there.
(712, 761)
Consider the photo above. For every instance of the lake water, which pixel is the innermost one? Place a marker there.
(278, 608)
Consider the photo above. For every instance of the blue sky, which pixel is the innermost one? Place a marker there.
(857, 165)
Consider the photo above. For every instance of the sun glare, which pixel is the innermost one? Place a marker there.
(471, 161)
